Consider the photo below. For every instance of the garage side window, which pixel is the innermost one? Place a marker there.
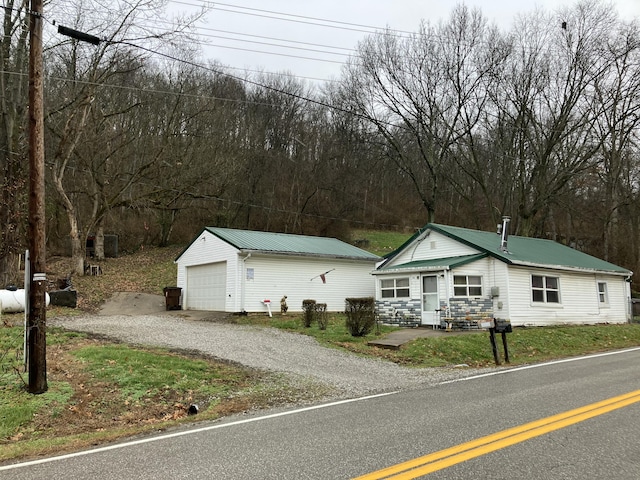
(467, 285)
(395, 287)
(545, 289)
(602, 293)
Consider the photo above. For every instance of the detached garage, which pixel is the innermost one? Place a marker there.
(240, 271)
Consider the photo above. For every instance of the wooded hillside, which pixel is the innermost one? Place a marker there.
(460, 123)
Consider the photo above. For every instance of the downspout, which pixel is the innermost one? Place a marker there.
(595, 278)
(627, 282)
(243, 281)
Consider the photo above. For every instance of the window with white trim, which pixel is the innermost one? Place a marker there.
(467, 286)
(545, 289)
(394, 287)
(602, 293)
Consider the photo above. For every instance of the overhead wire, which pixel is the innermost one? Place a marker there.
(275, 45)
(284, 44)
(203, 43)
(241, 79)
(297, 42)
(249, 81)
(304, 19)
(340, 24)
(279, 54)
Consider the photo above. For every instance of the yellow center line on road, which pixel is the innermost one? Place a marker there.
(460, 453)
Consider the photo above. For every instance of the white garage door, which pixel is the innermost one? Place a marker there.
(207, 286)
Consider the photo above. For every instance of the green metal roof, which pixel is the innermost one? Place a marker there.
(436, 263)
(527, 251)
(288, 244)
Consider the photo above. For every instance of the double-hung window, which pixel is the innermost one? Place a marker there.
(467, 285)
(545, 289)
(602, 293)
(395, 287)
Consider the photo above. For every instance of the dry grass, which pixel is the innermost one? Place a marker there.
(96, 393)
(148, 270)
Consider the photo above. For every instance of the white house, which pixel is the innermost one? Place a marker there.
(456, 274)
(238, 270)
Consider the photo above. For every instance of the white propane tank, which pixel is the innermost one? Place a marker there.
(12, 301)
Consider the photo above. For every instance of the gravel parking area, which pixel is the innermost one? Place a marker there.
(266, 349)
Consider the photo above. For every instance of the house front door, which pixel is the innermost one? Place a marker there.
(430, 300)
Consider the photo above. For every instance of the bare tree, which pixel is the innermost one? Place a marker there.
(425, 93)
(617, 110)
(87, 67)
(539, 135)
(13, 103)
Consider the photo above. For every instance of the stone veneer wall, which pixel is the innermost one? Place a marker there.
(460, 308)
(392, 309)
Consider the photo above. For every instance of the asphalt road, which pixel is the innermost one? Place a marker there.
(353, 438)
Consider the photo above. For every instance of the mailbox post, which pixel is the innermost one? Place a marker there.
(503, 327)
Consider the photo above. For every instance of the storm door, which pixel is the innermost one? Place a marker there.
(430, 300)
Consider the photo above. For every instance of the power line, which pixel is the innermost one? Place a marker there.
(278, 54)
(274, 38)
(286, 74)
(163, 92)
(304, 19)
(275, 45)
(281, 74)
(248, 81)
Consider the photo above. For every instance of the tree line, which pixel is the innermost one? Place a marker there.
(459, 123)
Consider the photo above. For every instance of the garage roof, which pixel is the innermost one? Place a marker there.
(289, 244)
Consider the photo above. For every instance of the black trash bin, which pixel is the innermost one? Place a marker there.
(172, 297)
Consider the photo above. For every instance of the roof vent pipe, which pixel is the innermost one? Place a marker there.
(503, 231)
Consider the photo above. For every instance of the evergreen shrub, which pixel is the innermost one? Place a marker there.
(309, 309)
(361, 317)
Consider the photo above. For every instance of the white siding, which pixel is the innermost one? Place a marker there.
(208, 249)
(492, 273)
(501, 279)
(253, 278)
(298, 279)
(579, 296)
(578, 299)
(435, 245)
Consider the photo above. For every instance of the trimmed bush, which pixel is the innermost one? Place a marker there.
(321, 316)
(361, 315)
(309, 309)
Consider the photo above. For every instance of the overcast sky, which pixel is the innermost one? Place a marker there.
(295, 23)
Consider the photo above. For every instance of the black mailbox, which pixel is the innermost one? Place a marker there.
(502, 326)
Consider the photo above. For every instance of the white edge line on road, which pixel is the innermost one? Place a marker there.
(537, 365)
(292, 412)
(190, 432)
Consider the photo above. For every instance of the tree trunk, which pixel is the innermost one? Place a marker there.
(77, 247)
(98, 242)
(13, 102)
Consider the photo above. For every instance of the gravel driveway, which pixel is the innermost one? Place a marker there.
(266, 349)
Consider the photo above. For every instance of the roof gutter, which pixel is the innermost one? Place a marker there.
(626, 273)
(433, 268)
(374, 258)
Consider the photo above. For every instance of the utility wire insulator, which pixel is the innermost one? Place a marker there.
(83, 37)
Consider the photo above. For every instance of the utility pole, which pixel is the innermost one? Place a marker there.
(36, 303)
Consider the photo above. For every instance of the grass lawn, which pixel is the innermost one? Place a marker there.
(100, 391)
(526, 345)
